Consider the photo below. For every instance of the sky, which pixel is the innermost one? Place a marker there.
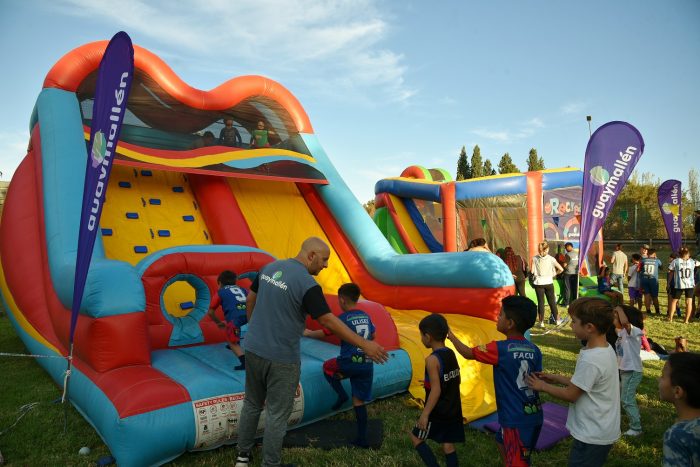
(391, 84)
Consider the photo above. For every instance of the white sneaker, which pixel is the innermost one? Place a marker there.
(631, 432)
(242, 459)
(541, 324)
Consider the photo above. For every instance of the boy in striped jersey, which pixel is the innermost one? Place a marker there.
(681, 273)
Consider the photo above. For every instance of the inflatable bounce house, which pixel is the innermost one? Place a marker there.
(424, 211)
(150, 371)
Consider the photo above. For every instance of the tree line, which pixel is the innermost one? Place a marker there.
(478, 167)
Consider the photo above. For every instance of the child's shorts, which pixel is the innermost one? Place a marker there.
(360, 375)
(677, 293)
(518, 444)
(441, 431)
(233, 332)
(635, 293)
(650, 286)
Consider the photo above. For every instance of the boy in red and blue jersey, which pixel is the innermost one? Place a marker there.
(513, 359)
(351, 362)
(232, 300)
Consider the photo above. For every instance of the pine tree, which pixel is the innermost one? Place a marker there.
(477, 164)
(534, 162)
(488, 168)
(463, 169)
(506, 165)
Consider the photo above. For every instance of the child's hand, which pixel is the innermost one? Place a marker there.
(450, 336)
(546, 377)
(533, 381)
(422, 422)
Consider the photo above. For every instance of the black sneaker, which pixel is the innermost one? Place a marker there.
(242, 460)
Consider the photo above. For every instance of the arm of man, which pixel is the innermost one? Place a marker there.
(432, 365)
(372, 349)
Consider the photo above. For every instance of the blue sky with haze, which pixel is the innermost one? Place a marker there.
(393, 84)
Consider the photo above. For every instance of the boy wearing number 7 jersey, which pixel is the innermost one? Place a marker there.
(352, 362)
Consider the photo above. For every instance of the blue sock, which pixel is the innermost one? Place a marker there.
(427, 455)
(451, 459)
(338, 388)
(361, 416)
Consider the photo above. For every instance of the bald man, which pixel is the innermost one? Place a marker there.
(284, 292)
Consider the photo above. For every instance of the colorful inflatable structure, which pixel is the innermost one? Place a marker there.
(424, 211)
(150, 370)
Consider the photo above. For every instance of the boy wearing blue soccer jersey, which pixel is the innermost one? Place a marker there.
(232, 300)
(441, 419)
(649, 279)
(513, 359)
(352, 362)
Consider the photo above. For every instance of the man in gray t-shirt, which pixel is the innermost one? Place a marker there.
(280, 298)
(570, 274)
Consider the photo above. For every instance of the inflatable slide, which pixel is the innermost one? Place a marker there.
(151, 372)
(424, 211)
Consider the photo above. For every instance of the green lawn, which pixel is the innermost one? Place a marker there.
(39, 439)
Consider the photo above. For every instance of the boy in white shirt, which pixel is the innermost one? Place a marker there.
(594, 389)
(628, 325)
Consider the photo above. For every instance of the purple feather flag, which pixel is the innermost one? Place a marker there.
(613, 151)
(114, 78)
(670, 196)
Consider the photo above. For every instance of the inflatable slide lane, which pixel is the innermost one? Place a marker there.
(151, 371)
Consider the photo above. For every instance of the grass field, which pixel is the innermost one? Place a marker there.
(39, 439)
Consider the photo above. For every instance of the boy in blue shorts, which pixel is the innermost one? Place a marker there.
(649, 279)
(441, 419)
(513, 359)
(352, 362)
(232, 300)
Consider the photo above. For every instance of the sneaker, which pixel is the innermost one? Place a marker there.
(242, 459)
(541, 324)
(631, 432)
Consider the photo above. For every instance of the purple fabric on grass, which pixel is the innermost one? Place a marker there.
(553, 429)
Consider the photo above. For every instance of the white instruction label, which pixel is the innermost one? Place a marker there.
(216, 418)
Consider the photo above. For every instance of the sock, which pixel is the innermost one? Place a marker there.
(242, 365)
(451, 459)
(427, 455)
(338, 388)
(361, 416)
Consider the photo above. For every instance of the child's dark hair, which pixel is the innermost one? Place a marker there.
(634, 316)
(597, 311)
(637, 256)
(434, 325)
(651, 251)
(685, 372)
(350, 291)
(227, 278)
(521, 310)
(568, 244)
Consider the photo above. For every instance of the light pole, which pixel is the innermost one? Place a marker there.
(588, 119)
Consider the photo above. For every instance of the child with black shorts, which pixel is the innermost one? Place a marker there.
(352, 362)
(519, 408)
(232, 300)
(441, 419)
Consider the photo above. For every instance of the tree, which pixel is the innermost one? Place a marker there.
(370, 208)
(477, 164)
(463, 168)
(488, 169)
(534, 162)
(506, 165)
